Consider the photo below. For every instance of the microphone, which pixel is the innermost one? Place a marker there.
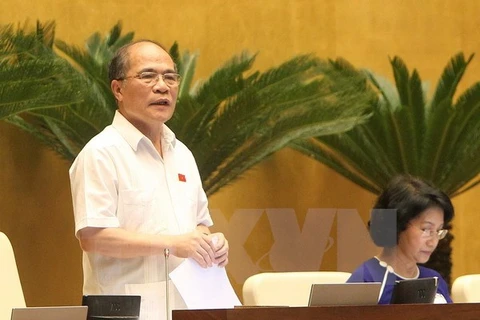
(388, 269)
(166, 253)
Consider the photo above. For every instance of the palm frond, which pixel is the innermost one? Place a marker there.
(460, 160)
(276, 107)
(92, 63)
(225, 82)
(49, 92)
(35, 84)
(435, 139)
(450, 78)
(31, 76)
(186, 64)
(43, 135)
(334, 159)
(440, 116)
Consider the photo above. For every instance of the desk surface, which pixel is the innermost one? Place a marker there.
(460, 311)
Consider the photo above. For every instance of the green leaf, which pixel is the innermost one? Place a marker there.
(436, 139)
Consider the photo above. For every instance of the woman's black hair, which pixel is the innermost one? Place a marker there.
(404, 199)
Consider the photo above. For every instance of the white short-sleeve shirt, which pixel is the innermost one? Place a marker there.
(120, 180)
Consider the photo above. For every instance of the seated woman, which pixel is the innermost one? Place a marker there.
(407, 222)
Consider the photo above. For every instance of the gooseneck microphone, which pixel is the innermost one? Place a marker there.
(388, 269)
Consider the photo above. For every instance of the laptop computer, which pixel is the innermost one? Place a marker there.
(415, 291)
(336, 294)
(50, 313)
(125, 307)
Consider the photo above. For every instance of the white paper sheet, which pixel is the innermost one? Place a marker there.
(204, 288)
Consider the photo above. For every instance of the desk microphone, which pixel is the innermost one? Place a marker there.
(388, 269)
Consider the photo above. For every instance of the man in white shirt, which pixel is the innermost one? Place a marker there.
(136, 189)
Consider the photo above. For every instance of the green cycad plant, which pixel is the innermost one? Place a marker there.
(237, 118)
(61, 100)
(231, 121)
(437, 139)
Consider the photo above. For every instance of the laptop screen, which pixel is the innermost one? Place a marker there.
(358, 293)
(50, 313)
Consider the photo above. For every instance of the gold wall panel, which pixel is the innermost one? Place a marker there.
(34, 191)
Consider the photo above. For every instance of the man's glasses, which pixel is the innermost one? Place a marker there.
(151, 78)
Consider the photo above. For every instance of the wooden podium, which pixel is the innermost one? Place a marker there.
(454, 311)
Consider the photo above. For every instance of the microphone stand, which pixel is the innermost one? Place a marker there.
(388, 270)
(167, 291)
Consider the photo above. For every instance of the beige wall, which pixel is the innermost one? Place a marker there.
(34, 190)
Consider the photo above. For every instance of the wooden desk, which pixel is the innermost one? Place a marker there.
(457, 311)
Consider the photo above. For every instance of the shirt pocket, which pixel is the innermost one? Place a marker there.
(141, 212)
(186, 203)
(187, 192)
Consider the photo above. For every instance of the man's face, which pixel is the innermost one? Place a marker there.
(146, 106)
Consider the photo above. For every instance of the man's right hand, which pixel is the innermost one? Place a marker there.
(195, 245)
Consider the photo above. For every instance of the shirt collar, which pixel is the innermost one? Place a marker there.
(169, 136)
(133, 136)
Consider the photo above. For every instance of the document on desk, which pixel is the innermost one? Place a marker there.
(204, 288)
